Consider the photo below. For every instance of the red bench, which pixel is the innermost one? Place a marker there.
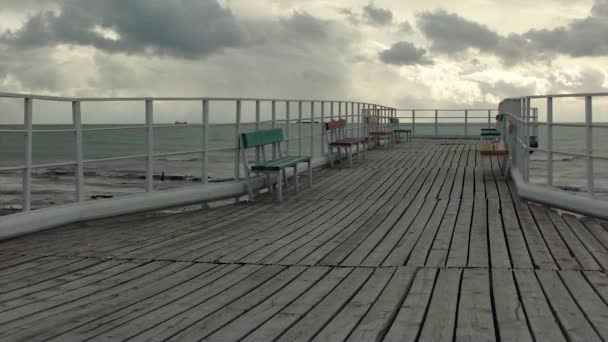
(335, 131)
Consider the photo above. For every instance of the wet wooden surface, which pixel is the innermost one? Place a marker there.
(421, 241)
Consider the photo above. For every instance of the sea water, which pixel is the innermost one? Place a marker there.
(55, 184)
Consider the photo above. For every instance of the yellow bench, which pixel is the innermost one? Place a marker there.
(495, 149)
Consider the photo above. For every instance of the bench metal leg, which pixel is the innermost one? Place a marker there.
(284, 171)
(249, 187)
(310, 173)
(330, 155)
(280, 186)
(295, 177)
(268, 182)
(350, 155)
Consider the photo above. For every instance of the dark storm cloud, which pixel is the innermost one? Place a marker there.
(376, 15)
(305, 26)
(404, 53)
(405, 27)
(582, 37)
(184, 28)
(450, 33)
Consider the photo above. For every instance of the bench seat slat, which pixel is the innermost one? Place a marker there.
(347, 142)
(281, 163)
(381, 133)
(493, 149)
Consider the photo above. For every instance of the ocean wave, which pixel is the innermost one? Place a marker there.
(556, 158)
(124, 174)
(178, 159)
(575, 188)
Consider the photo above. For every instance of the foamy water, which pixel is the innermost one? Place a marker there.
(51, 186)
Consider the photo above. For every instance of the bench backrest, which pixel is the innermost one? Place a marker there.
(260, 138)
(335, 124)
(335, 130)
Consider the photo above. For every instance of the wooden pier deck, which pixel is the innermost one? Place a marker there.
(418, 242)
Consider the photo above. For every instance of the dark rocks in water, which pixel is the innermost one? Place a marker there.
(101, 196)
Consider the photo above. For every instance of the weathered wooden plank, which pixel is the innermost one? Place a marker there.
(595, 247)
(402, 249)
(410, 316)
(520, 256)
(572, 320)
(422, 247)
(459, 247)
(55, 326)
(309, 325)
(441, 245)
(543, 324)
(475, 319)
(539, 252)
(499, 255)
(577, 248)
(478, 245)
(126, 315)
(285, 318)
(558, 248)
(345, 321)
(441, 316)
(599, 281)
(510, 315)
(171, 318)
(588, 300)
(31, 314)
(207, 325)
(248, 321)
(381, 315)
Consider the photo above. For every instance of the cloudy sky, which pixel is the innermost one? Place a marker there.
(435, 53)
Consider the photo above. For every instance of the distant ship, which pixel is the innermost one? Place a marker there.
(181, 122)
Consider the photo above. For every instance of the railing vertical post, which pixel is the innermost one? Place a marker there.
(489, 118)
(299, 128)
(150, 145)
(237, 131)
(413, 123)
(274, 125)
(527, 139)
(550, 141)
(79, 172)
(358, 115)
(466, 123)
(312, 128)
(257, 127)
(331, 110)
(352, 119)
(287, 124)
(323, 142)
(27, 173)
(205, 165)
(346, 119)
(339, 110)
(436, 122)
(589, 143)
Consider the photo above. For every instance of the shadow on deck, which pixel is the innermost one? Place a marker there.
(414, 242)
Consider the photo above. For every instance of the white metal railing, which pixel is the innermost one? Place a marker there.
(318, 111)
(521, 123)
(456, 123)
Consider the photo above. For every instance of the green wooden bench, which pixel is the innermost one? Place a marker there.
(259, 140)
(398, 131)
